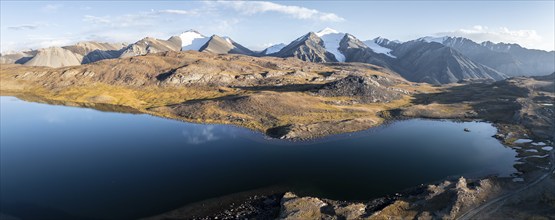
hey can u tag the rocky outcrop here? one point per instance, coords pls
(365, 88)
(319, 129)
(294, 207)
(446, 200)
(196, 74)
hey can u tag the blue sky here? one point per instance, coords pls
(256, 25)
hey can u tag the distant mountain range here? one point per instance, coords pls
(435, 60)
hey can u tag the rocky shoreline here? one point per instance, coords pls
(445, 199)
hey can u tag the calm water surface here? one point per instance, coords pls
(68, 162)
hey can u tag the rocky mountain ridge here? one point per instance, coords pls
(436, 60)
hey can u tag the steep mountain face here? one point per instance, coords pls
(384, 42)
(355, 50)
(326, 45)
(95, 51)
(152, 45)
(432, 62)
(220, 45)
(531, 62)
(273, 49)
(55, 57)
(309, 47)
(192, 40)
(382, 45)
(500, 61)
(511, 59)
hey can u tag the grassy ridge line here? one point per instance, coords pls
(314, 109)
(148, 100)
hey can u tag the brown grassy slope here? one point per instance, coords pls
(258, 93)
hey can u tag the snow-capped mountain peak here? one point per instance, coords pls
(192, 31)
(375, 46)
(326, 31)
(331, 39)
(192, 40)
(380, 40)
(274, 48)
(430, 39)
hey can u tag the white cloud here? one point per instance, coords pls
(23, 27)
(479, 33)
(256, 7)
(177, 12)
(117, 28)
(199, 136)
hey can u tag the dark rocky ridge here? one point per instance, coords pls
(511, 59)
(366, 89)
(356, 51)
(435, 63)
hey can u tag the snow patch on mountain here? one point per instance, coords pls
(228, 39)
(192, 40)
(379, 40)
(331, 39)
(274, 48)
(433, 39)
(374, 46)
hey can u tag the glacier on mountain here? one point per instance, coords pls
(331, 39)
